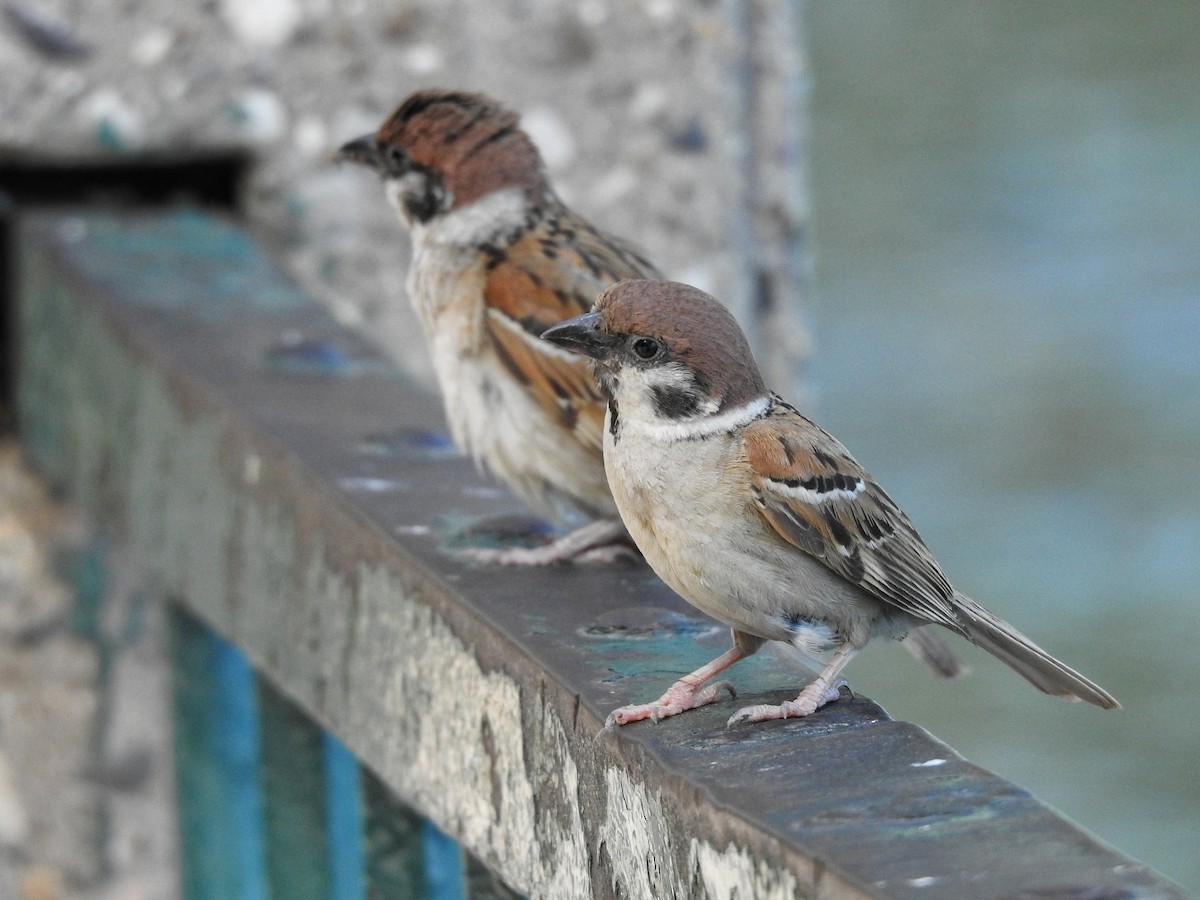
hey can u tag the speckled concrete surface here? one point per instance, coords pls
(655, 118)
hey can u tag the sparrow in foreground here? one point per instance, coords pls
(755, 515)
(497, 258)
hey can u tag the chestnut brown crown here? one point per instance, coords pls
(470, 141)
(694, 329)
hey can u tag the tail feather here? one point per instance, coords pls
(1029, 660)
(931, 648)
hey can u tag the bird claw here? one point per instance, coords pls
(808, 702)
(546, 555)
(678, 698)
(602, 542)
(510, 556)
(607, 554)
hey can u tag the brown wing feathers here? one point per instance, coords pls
(817, 497)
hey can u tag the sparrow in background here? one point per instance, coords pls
(755, 515)
(497, 258)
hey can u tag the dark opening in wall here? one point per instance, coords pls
(212, 180)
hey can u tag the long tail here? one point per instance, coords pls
(1033, 663)
(931, 648)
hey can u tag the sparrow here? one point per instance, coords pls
(754, 514)
(497, 258)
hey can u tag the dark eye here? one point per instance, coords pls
(646, 348)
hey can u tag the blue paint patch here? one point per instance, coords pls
(218, 766)
(408, 444)
(299, 356)
(445, 873)
(664, 625)
(496, 532)
(140, 260)
(343, 820)
(691, 138)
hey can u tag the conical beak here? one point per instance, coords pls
(363, 150)
(581, 334)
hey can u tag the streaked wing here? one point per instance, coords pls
(818, 498)
(555, 272)
(550, 274)
(561, 383)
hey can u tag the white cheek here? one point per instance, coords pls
(639, 414)
(637, 387)
(397, 189)
(394, 191)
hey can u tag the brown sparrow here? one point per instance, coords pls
(497, 258)
(755, 515)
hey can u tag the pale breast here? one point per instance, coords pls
(489, 414)
(711, 545)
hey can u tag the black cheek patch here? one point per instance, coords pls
(423, 205)
(614, 422)
(673, 403)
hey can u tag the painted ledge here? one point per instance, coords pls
(287, 485)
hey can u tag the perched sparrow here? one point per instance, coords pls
(757, 516)
(497, 258)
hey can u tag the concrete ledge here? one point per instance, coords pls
(294, 491)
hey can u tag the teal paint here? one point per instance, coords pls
(186, 260)
(344, 820)
(409, 444)
(443, 864)
(393, 843)
(293, 780)
(222, 855)
(88, 574)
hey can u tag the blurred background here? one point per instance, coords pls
(989, 219)
(1006, 206)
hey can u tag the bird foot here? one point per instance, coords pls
(607, 554)
(810, 700)
(601, 541)
(680, 697)
(548, 554)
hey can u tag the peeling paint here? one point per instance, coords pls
(636, 841)
(734, 874)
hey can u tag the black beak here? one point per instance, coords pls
(363, 150)
(581, 334)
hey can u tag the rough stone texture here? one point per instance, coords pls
(677, 125)
(256, 483)
(86, 807)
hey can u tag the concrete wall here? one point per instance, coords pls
(676, 124)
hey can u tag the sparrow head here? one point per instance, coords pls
(441, 150)
(664, 347)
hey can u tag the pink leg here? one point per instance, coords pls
(822, 690)
(596, 542)
(686, 693)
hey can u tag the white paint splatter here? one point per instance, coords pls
(733, 873)
(368, 485)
